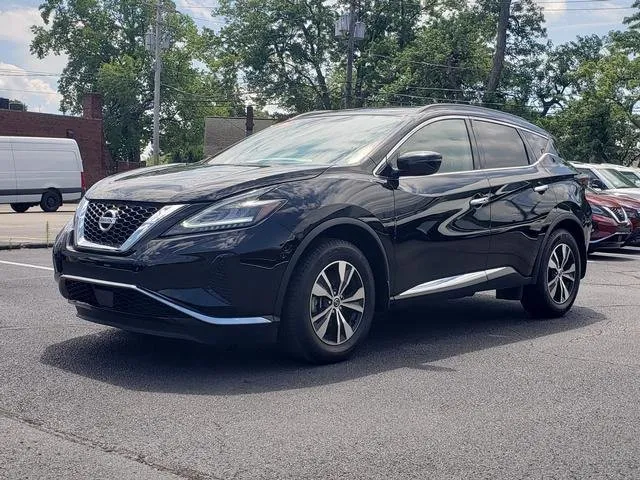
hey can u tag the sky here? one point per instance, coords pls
(26, 78)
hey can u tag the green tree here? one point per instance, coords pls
(557, 80)
(597, 119)
(284, 49)
(104, 40)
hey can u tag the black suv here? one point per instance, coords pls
(312, 225)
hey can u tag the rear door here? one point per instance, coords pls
(522, 193)
(7, 173)
(442, 220)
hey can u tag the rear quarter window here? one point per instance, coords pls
(500, 145)
(537, 143)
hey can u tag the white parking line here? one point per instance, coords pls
(50, 269)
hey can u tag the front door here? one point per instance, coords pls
(443, 219)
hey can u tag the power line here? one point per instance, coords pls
(35, 92)
(7, 72)
(590, 9)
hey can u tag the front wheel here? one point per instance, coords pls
(330, 303)
(558, 279)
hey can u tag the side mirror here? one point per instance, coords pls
(597, 184)
(419, 163)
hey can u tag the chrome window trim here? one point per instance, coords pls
(455, 282)
(388, 156)
(159, 298)
(81, 242)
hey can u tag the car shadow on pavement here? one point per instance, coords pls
(401, 339)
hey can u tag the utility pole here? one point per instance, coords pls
(156, 84)
(348, 26)
(350, 48)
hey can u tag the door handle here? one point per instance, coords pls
(476, 202)
(541, 188)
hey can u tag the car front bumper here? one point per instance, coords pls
(196, 287)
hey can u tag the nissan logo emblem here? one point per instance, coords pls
(108, 219)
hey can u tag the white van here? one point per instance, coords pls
(45, 171)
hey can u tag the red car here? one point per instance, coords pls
(632, 208)
(611, 225)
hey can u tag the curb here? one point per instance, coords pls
(18, 246)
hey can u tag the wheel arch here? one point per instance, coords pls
(353, 231)
(569, 223)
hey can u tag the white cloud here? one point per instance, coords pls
(553, 9)
(16, 24)
(19, 70)
(200, 11)
(16, 83)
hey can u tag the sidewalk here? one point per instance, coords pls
(32, 228)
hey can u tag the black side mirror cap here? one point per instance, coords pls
(418, 163)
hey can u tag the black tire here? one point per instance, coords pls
(297, 333)
(541, 300)
(51, 201)
(20, 207)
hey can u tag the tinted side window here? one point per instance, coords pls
(501, 145)
(537, 143)
(447, 137)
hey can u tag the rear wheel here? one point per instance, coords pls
(51, 201)
(20, 207)
(558, 279)
(330, 303)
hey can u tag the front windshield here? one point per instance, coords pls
(615, 178)
(316, 140)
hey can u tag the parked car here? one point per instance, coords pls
(607, 179)
(611, 225)
(630, 173)
(44, 171)
(312, 225)
(632, 208)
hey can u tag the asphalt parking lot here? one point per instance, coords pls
(463, 389)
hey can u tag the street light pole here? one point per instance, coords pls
(156, 85)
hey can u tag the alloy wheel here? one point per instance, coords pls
(561, 273)
(337, 303)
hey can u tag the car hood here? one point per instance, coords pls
(626, 199)
(602, 200)
(182, 183)
(630, 192)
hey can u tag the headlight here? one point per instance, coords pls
(598, 211)
(237, 212)
(80, 211)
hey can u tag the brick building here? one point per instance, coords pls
(86, 130)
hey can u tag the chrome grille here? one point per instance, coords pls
(619, 214)
(128, 219)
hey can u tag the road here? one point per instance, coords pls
(32, 227)
(463, 389)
